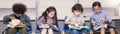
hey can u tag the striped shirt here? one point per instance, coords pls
(96, 17)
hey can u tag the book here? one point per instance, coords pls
(100, 26)
(43, 26)
(15, 22)
(78, 27)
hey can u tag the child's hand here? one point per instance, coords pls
(11, 17)
(81, 24)
(70, 23)
(102, 20)
(94, 23)
(77, 21)
(46, 24)
(20, 24)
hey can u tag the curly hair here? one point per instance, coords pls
(19, 8)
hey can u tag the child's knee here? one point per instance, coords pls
(44, 30)
(50, 29)
(102, 29)
(111, 29)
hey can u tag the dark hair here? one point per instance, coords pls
(96, 4)
(77, 7)
(48, 10)
(19, 8)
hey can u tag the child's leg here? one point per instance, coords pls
(74, 31)
(50, 31)
(23, 30)
(112, 31)
(12, 31)
(43, 31)
(102, 30)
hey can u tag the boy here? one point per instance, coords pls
(76, 19)
(18, 9)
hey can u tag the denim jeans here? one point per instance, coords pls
(75, 31)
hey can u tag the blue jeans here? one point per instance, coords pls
(75, 31)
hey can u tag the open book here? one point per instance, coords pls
(98, 27)
(15, 22)
(78, 27)
(43, 26)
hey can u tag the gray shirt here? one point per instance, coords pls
(74, 19)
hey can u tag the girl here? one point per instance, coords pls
(48, 18)
(101, 19)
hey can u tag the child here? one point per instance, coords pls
(48, 19)
(100, 19)
(19, 17)
(76, 19)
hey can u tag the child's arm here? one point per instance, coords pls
(41, 22)
(81, 21)
(92, 21)
(82, 24)
(6, 20)
(68, 23)
(12, 17)
(67, 20)
(106, 19)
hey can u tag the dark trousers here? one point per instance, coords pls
(21, 30)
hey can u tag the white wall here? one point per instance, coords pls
(119, 8)
(9, 3)
(6, 7)
(64, 6)
(105, 3)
